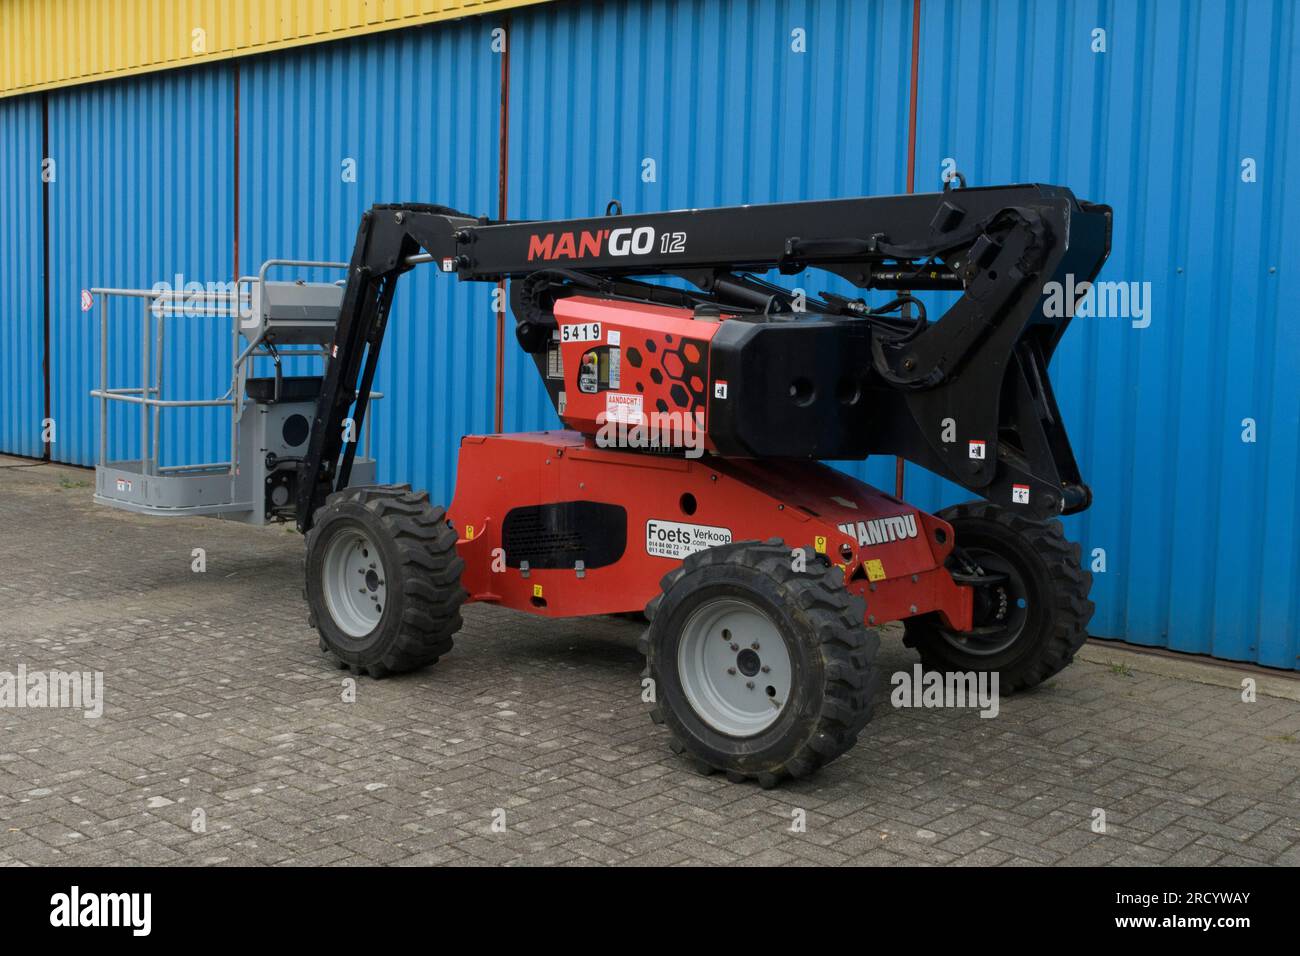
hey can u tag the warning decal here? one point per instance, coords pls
(624, 407)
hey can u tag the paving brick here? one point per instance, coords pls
(217, 698)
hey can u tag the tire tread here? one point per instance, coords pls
(427, 576)
(847, 647)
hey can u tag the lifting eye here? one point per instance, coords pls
(688, 504)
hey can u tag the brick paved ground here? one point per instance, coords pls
(217, 699)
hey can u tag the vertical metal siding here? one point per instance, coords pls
(716, 96)
(1199, 528)
(21, 307)
(417, 112)
(143, 193)
(1156, 127)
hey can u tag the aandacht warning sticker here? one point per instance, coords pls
(673, 539)
(624, 407)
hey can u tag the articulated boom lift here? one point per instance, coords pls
(762, 570)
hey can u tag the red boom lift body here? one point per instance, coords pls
(690, 481)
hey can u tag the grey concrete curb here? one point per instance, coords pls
(1216, 673)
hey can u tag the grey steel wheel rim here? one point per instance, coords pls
(734, 667)
(353, 581)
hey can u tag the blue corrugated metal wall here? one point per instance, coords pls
(1198, 527)
(716, 97)
(22, 402)
(144, 193)
(1157, 126)
(147, 191)
(415, 116)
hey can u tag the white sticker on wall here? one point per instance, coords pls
(673, 539)
(615, 337)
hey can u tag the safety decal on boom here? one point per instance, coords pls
(674, 539)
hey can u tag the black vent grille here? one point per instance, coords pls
(560, 535)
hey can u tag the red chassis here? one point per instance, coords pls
(891, 553)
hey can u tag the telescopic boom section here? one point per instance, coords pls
(966, 395)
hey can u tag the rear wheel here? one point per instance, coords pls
(1031, 599)
(383, 579)
(759, 671)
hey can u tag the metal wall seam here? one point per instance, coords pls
(327, 131)
(21, 334)
(45, 45)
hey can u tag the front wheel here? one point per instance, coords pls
(1031, 599)
(758, 670)
(383, 579)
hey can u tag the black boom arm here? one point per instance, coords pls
(978, 370)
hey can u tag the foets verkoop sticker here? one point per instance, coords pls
(676, 540)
